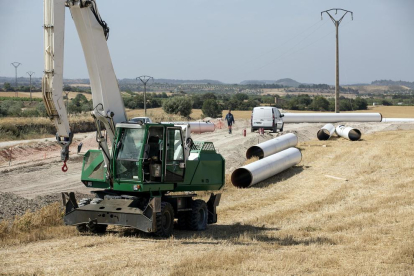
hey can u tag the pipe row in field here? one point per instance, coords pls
(196, 127)
(326, 132)
(331, 117)
(262, 169)
(272, 146)
(275, 156)
(349, 133)
(388, 120)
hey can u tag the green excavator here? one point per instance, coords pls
(144, 175)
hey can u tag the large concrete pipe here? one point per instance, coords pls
(326, 132)
(262, 169)
(331, 117)
(196, 127)
(272, 146)
(389, 120)
(350, 133)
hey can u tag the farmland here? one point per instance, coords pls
(300, 221)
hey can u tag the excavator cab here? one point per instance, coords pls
(152, 153)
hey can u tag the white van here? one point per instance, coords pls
(144, 120)
(266, 117)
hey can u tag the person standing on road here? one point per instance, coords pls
(230, 120)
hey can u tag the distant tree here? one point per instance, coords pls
(7, 87)
(241, 96)
(345, 105)
(67, 88)
(360, 104)
(197, 102)
(178, 105)
(386, 102)
(208, 96)
(212, 109)
(320, 104)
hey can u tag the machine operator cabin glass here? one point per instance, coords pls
(129, 151)
(175, 156)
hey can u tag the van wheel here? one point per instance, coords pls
(251, 129)
(274, 129)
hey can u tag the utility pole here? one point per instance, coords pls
(336, 23)
(145, 80)
(30, 73)
(16, 64)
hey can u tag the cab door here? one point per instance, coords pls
(175, 163)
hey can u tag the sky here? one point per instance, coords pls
(227, 40)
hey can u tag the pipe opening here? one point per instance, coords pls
(323, 134)
(241, 178)
(254, 151)
(354, 134)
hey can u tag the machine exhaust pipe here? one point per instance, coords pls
(272, 146)
(255, 172)
(196, 127)
(331, 117)
(326, 132)
(349, 133)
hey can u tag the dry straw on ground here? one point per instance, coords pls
(298, 222)
(46, 223)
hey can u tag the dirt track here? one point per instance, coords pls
(38, 177)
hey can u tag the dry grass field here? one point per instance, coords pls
(39, 94)
(301, 221)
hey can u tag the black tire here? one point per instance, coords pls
(199, 215)
(165, 220)
(98, 228)
(82, 228)
(251, 129)
(275, 129)
(183, 222)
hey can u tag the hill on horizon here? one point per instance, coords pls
(285, 82)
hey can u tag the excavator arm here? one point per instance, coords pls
(108, 107)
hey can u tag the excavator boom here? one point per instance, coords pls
(108, 107)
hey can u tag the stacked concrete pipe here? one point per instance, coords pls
(349, 133)
(276, 155)
(262, 169)
(272, 146)
(326, 132)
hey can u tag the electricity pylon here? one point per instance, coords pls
(337, 22)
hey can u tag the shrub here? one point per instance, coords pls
(212, 109)
(320, 104)
(178, 105)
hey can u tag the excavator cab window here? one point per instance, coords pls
(175, 163)
(129, 149)
(153, 154)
